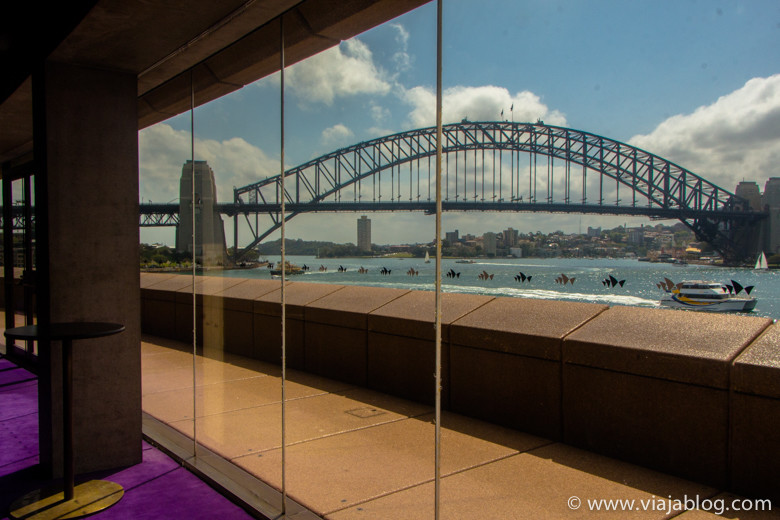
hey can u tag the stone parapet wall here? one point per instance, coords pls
(690, 394)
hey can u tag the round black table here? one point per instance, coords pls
(89, 497)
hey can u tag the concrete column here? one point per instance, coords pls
(86, 149)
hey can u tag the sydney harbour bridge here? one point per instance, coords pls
(491, 166)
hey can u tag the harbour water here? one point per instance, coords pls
(639, 288)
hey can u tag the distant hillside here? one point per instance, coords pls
(293, 247)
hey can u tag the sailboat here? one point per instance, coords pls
(761, 263)
(427, 258)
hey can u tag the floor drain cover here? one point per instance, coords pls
(365, 413)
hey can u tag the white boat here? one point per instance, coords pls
(699, 295)
(761, 263)
(427, 258)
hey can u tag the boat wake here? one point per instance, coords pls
(542, 294)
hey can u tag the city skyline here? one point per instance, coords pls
(703, 90)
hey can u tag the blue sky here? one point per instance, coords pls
(697, 82)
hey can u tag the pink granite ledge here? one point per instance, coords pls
(688, 347)
(413, 314)
(522, 326)
(757, 370)
(349, 307)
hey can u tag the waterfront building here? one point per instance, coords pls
(635, 235)
(510, 237)
(364, 233)
(749, 190)
(771, 201)
(452, 237)
(489, 243)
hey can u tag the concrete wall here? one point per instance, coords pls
(690, 394)
(86, 187)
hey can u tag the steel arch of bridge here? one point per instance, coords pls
(593, 167)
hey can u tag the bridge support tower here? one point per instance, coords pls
(209, 233)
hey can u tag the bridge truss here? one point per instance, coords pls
(498, 166)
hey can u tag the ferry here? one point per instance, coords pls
(290, 269)
(700, 295)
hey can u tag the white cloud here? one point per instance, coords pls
(379, 113)
(483, 103)
(378, 131)
(736, 137)
(403, 35)
(163, 151)
(337, 134)
(345, 70)
(401, 58)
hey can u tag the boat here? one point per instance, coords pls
(707, 296)
(761, 263)
(427, 258)
(465, 261)
(289, 269)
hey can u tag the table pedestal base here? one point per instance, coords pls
(88, 498)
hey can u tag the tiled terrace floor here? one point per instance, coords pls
(159, 487)
(352, 453)
(357, 454)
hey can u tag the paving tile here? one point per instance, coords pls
(338, 471)
(234, 395)
(537, 484)
(208, 371)
(163, 361)
(235, 434)
(151, 349)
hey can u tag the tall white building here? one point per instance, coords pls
(364, 233)
(489, 243)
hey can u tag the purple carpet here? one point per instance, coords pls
(157, 488)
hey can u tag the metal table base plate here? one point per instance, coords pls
(88, 498)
